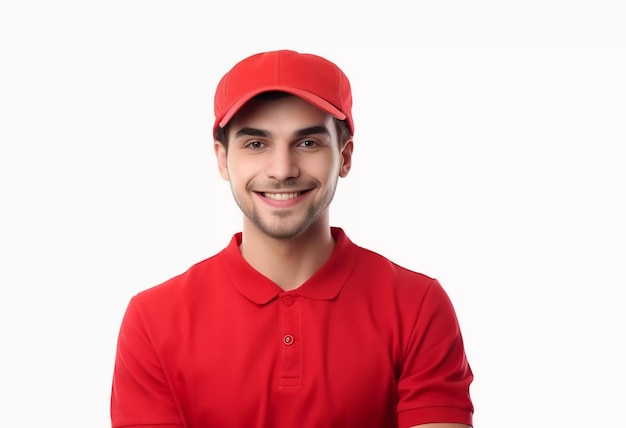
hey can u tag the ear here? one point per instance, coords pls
(222, 164)
(346, 159)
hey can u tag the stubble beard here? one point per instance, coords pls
(281, 226)
(285, 225)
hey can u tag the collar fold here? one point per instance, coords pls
(325, 284)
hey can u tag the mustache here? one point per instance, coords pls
(282, 185)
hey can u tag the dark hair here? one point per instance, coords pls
(221, 134)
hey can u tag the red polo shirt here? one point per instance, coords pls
(363, 343)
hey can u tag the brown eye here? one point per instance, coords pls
(256, 145)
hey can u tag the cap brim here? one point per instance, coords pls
(318, 102)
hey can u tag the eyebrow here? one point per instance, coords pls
(252, 132)
(313, 130)
(256, 132)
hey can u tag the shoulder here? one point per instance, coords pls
(196, 278)
(373, 265)
(184, 285)
(172, 305)
(404, 289)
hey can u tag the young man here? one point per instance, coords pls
(292, 325)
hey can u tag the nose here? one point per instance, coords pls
(282, 164)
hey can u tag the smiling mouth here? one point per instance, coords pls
(281, 196)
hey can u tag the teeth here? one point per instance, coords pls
(281, 196)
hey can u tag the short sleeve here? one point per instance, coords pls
(141, 395)
(435, 379)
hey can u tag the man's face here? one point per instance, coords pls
(283, 163)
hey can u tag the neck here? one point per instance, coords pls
(287, 262)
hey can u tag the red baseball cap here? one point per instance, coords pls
(310, 77)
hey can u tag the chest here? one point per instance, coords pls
(292, 362)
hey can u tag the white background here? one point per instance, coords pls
(489, 154)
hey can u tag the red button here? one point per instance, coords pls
(288, 340)
(287, 300)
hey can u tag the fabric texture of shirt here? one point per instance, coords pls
(362, 343)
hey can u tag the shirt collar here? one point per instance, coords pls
(325, 284)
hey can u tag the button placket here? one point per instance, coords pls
(291, 342)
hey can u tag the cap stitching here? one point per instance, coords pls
(278, 78)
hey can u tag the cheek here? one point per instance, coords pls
(238, 174)
(333, 167)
